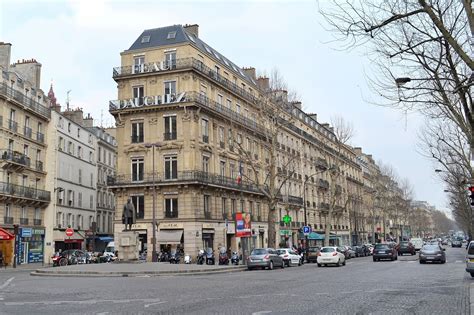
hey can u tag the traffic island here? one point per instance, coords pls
(134, 270)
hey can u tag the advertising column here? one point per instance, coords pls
(243, 229)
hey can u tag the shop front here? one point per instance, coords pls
(7, 245)
(33, 245)
(170, 237)
(63, 242)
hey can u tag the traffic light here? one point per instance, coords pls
(471, 194)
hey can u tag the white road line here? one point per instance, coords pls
(3, 286)
(261, 312)
(84, 302)
(156, 303)
(458, 261)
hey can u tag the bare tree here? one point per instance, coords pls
(423, 50)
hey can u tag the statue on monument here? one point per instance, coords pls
(129, 215)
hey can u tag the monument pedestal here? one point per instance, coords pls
(127, 246)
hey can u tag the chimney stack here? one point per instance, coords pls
(192, 29)
(30, 69)
(263, 83)
(250, 71)
(5, 53)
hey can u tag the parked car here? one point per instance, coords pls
(331, 255)
(289, 256)
(264, 258)
(350, 251)
(360, 251)
(417, 242)
(456, 243)
(384, 251)
(406, 248)
(470, 259)
(345, 251)
(433, 253)
(370, 247)
(313, 254)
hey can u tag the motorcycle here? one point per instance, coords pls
(210, 259)
(163, 257)
(175, 257)
(200, 257)
(59, 260)
(234, 259)
(223, 258)
(187, 259)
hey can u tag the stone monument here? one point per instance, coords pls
(127, 243)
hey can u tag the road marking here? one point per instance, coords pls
(84, 302)
(458, 261)
(156, 303)
(3, 286)
(261, 312)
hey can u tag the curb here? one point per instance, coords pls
(471, 298)
(44, 273)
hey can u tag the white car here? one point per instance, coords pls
(331, 255)
(289, 256)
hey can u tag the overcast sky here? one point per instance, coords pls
(79, 42)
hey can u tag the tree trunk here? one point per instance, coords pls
(271, 225)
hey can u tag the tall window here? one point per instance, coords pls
(205, 130)
(79, 200)
(138, 64)
(219, 99)
(170, 59)
(170, 91)
(139, 203)
(137, 132)
(27, 130)
(205, 164)
(229, 104)
(233, 205)
(221, 137)
(222, 168)
(170, 128)
(138, 93)
(171, 208)
(259, 212)
(224, 208)
(24, 212)
(80, 176)
(171, 167)
(232, 170)
(137, 169)
(237, 108)
(207, 209)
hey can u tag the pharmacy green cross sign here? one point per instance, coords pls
(287, 219)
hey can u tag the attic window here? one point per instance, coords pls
(171, 35)
(146, 39)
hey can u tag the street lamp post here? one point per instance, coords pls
(154, 254)
(304, 205)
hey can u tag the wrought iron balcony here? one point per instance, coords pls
(198, 177)
(324, 205)
(293, 200)
(12, 125)
(137, 138)
(40, 137)
(15, 157)
(170, 136)
(171, 214)
(24, 221)
(36, 221)
(21, 98)
(39, 166)
(181, 64)
(8, 220)
(323, 184)
(24, 192)
(321, 163)
(205, 139)
(207, 215)
(28, 132)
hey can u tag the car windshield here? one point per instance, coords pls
(313, 249)
(404, 244)
(327, 250)
(430, 247)
(381, 246)
(259, 251)
(281, 251)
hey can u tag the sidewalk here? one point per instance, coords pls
(25, 267)
(134, 270)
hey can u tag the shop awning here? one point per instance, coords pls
(105, 239)
(169, 236)
(60, 236)
(315, 236)
(5, 236)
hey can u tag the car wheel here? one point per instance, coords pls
(391, 258)
(339, 263)
(472, 274)
(374, 259)
(270, 266)
(299, 262)
(319, 265)
(250, 268)
(344, 263)
(282, 265)
(396, 258)
(422, 262)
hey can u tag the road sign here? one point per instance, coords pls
(287, 219)
(69, 232)
(306, 230)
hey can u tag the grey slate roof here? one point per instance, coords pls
(159, 37)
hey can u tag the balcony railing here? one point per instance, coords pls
(30, 103)
(39, 166)
(28, 132)
(12, 125)
(171, 214)
(16, 157)
(24, 192)
(321, 163)
(324, 205)
(24, 221)
(137, 138)
(323, 184)
(8, 220)
(169, 136)
(40, 137)
(179, 64)
(294, 200)
(205, 139)
(199, 177)
(36, 221)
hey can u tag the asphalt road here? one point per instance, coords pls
(360, 287)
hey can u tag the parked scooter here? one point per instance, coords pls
(235, 258)
(210, 259)
(200, 257)
(223, 258)
(163, 256)
(175, 257)
(187, 259)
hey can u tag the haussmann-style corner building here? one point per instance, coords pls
(185, 105)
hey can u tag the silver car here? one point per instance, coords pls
(264, 258)
(470, 259)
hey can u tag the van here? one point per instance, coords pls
(417, 242)
(110, 248)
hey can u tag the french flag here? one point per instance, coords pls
(239, 175)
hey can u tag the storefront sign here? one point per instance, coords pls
(207, 225)
(34, 257)
(149, 101)
(26, 232)
(137, 226)
(243, 224)
(231, 229)
(171, 226)
(38, 232)
(285, 232)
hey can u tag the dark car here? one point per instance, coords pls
(456, 243)
(384, 251)
(433, 253)
(313, 254)
(264, 258)
(345, 251)
(360, 251)
(406, 248)
(367, 250)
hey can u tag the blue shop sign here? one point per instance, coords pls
(26, 232)
(34, 257)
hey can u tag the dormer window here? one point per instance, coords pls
(146, 39)
(171, 35)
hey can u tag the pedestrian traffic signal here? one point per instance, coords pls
(471, 194)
